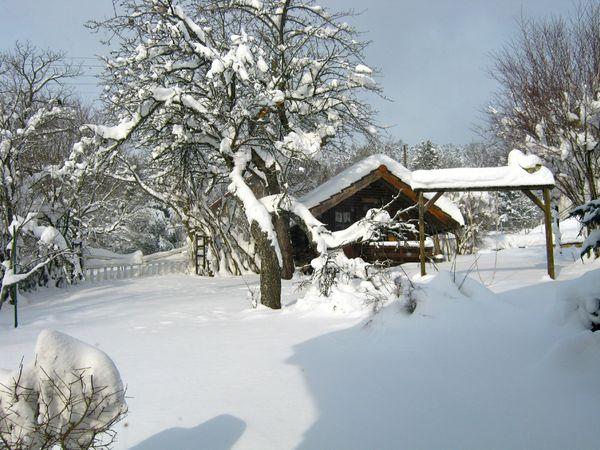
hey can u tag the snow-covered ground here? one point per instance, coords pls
(505, 367)
(570, 230)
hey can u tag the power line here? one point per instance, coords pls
(80, 84)
(82, 57)
(73, 65)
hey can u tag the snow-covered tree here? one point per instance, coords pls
(149, 228)
(32, 118)
(386, 145)
(47, 211)
(226, 97)
(516, 212)
(549, 97)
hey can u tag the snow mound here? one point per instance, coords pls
(581, 300)
(445, 285)
(433, 294)
(351, 298)
(578, 353)
(527, 162)
(456, 297)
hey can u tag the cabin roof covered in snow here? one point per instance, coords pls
(361, 169)
(522, 172)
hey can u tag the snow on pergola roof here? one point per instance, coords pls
(363, 168)
(522, 172)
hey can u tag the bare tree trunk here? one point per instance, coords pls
(192, 250)
(590, 175)
(287, 254)
(270, 272)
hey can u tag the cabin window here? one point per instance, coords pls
(343, 217)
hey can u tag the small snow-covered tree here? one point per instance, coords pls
(589, 215)
(424, 155)
(480, 210)
(229, 97)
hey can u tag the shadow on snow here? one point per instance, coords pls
(218, 433)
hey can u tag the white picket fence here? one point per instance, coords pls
(121, 267)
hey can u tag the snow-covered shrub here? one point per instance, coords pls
(580, 300)
(70, 397)
(406, 292)
(328, 269)
(589, 312)
(589, 215)
(351, 285)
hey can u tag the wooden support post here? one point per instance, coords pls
(437, 248)
(548, 224)
(433, 199)
(422, 233)
(534, 199)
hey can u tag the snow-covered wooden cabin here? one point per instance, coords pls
(372, 183)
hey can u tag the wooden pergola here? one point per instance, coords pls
(439, 189)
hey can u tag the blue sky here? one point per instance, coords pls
(433, 54)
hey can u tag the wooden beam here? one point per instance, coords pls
(433, 199)
(534, 198)
(444, 218)
(422, 233)
(484, 188)
(548, 224)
